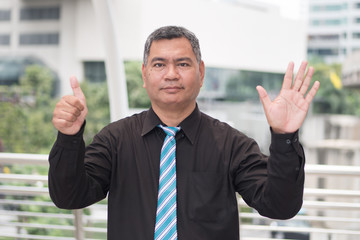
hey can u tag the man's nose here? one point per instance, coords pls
(172, 72)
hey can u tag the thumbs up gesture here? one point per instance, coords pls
(70, 111)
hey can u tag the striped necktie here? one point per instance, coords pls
(166, 227)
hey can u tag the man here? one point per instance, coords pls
(213, 160)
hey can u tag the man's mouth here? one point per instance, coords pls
(172, 88)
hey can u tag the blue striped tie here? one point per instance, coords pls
(165, 227)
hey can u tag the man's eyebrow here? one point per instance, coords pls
(155, 59)
(183, 59)
(161, 59)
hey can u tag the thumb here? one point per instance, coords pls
(264, 97)
(76, 88)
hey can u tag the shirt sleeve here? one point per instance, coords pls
(273, 184)
(72, 184)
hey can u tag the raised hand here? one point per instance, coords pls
(70, 111)
(287, 112)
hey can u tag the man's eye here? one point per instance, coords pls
(184, 64)
(158, 65)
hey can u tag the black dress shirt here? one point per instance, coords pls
(214, 161)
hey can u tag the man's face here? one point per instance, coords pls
(172, 76)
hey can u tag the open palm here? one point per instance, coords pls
(287, 112)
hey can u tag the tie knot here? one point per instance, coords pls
(170, 131)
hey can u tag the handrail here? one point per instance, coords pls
(24, 158)
(323, 205)
(299, 229)
(23, 178)
(319, 192)
(23, 190)
(333, 170)
(255, 215)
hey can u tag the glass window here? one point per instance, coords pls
(5, 15)
(239, 85)
(324, 52)
(328, 22)
(333, 7)
(333, 21)
(356, 35)
(95, 71)
(328, 8)
(39, 39)
(4, 39)
(328, 37)
(48, 13)
(328, 51)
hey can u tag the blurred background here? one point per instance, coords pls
(243, 43)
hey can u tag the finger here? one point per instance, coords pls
(76, 88)
(300, 76)
(311, 94)
(288, 76)
(71, 110)
(62, 125)
(66, 111)
(71, 102)
(66, 116)
(307, 80)
(264, 97)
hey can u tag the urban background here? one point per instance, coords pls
(244, 44)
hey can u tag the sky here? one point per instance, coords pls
(294, 9)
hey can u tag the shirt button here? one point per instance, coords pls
(288, 141)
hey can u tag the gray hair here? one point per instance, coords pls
(171, 32)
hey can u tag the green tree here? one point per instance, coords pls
(11, 129)
(25, 119)
(97, 101)
(38, 83)
(242, 86)
(331, 98)
(137, 95)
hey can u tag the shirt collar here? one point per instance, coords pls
(189, 125)
(150, 122)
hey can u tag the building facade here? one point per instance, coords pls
(333, 29)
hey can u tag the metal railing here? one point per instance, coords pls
(331, 213)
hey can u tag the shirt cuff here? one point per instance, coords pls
(71, 141)
(287, 142)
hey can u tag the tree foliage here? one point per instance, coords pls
(26, 112)
(242, 85)
(331, 99)
(137, 95)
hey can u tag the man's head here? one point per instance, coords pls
(173, 71)
(171, 32)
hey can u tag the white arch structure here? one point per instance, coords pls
(115, 70)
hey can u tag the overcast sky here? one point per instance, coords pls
(294, 9)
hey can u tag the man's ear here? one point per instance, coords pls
(143, 70)
(202, 71)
